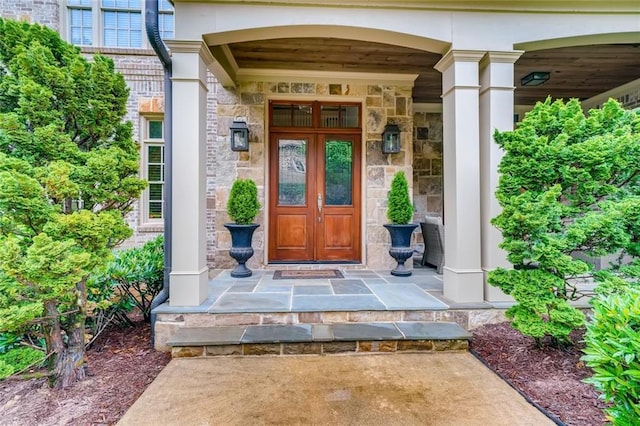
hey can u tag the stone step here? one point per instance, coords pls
(293, 339)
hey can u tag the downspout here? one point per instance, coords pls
(153, 33)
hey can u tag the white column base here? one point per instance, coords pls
(463, 285)
(494, 294)
(188, 288)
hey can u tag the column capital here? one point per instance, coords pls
(453, 56)
(192, 46)
(508, 57)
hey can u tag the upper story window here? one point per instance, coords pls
(165, 20)
(80, 22)
(114, 23)
(122, 23)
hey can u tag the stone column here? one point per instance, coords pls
(496, 113)
(463, 277)
(189, 274)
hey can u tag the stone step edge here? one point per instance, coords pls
(317, 333)
(322, 348)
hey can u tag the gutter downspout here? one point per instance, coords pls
(153, 33)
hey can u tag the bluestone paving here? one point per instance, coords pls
(322, 332)
(405, 296)
(277, 333)
(337, 302)
(380, 331)
(312, 289)
(432, 330)
(350, 286)
(242, 287)
(201, 336)
(252, 302)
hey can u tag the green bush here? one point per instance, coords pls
(243, 204)
(132, 279)
(18, 359)
(613, 352)
(569, 183)
(400, 208)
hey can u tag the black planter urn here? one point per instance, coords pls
(241, 249)
(401, 249)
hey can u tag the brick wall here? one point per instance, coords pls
(45, 12)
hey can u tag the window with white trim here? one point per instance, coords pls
(165, 20)
(153, 169)
(114, 23)
(122, 23)
(80, 22)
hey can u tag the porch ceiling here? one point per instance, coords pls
(576, 72)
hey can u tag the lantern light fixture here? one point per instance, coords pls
(391, 139)
(239, 132)
(535, 78)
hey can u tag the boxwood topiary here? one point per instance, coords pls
(243, 204)
(400, 208)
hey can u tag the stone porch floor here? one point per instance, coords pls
(362, 296)
(359, 290)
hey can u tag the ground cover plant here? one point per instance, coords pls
(613, 352)
(569, 185)
(68, 174)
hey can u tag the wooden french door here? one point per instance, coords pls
(314, 193)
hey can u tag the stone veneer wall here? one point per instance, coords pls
(427, 167)
(381, 104)
(427, 164)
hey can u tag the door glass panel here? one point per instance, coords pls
(292, 172)
(338, 173)
(339, 116)
(292, 115)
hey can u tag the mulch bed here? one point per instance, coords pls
(121, 366)
(551, 377)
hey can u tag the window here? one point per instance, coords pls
(165, 20)
(153, 169)
(122, 23)
(80, 22)
(114, 23)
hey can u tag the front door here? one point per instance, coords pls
(314, 197)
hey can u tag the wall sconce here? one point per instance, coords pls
(535, 78)
(239, 136)
(391, 139)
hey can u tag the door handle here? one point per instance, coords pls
(319, 207)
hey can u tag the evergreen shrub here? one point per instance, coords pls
(400, 208)
(569, 184)
(243, 204)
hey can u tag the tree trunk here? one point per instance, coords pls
(68, 359)
(71, 366)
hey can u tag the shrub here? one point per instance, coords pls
(18, 359)
(569, 183)
(132, 279)
(613, 351)
(243, 204)
(400, 208)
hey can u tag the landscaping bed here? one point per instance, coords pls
(550, 377)
(122, 364)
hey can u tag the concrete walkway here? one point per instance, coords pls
(401, 389)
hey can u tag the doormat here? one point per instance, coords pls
(307, 275)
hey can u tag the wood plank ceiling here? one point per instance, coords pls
(576, 72)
